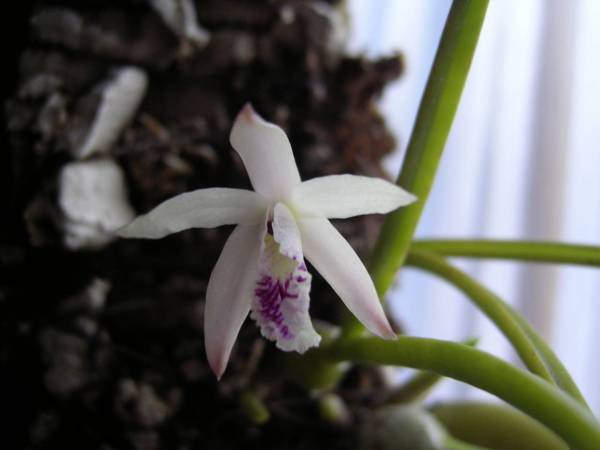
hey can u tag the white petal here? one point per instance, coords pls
(281, 294)
(266, 153)
(342, 196)
(229, 294)
(333, 257)
(204, 208)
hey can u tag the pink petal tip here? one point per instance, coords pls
(385, 331)
(216, 361)
(249, 114)
(218, 368)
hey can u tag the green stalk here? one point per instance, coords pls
(559, 372)
(547, 252)
(489, 304)
(434, 119)
(527, 392)
(418, 386)
(534, 353)
(413, 390)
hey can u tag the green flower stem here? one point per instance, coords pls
(536, 355)
(418, 386)
(548, 252)
(414, 389)
(559, 372)
(432, 125)
(489, 304)
(527, 392)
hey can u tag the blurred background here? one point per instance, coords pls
(521, 162)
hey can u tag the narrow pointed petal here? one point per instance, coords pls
(204, 208)
(266, 153)
(342, 196)
(281, 294)
(229, 294)
(335, 259)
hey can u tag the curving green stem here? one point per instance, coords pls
(548, 252)
(432, 125)
(525, 391)
(418, 386)
(536, 355)
(489, 304)
(559, 372)
(413, 390)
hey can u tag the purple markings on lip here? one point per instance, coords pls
(271, 293)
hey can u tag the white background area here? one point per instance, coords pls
(522, 161)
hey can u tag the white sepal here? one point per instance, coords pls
(342, 196)
(204, 208)
(266, 153)
(229, 294)
(341, 267)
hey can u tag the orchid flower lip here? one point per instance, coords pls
(281, 294)
(262, 269)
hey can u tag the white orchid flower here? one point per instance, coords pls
(261, 268)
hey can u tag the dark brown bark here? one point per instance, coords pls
(132, 372)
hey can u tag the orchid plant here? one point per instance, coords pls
(262, 267)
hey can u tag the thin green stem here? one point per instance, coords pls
(414, 389)
(417, 386)
(559, 372)
(489, 304)
(432, 125)
(536, 355)
(548, 252)
(525, 391)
